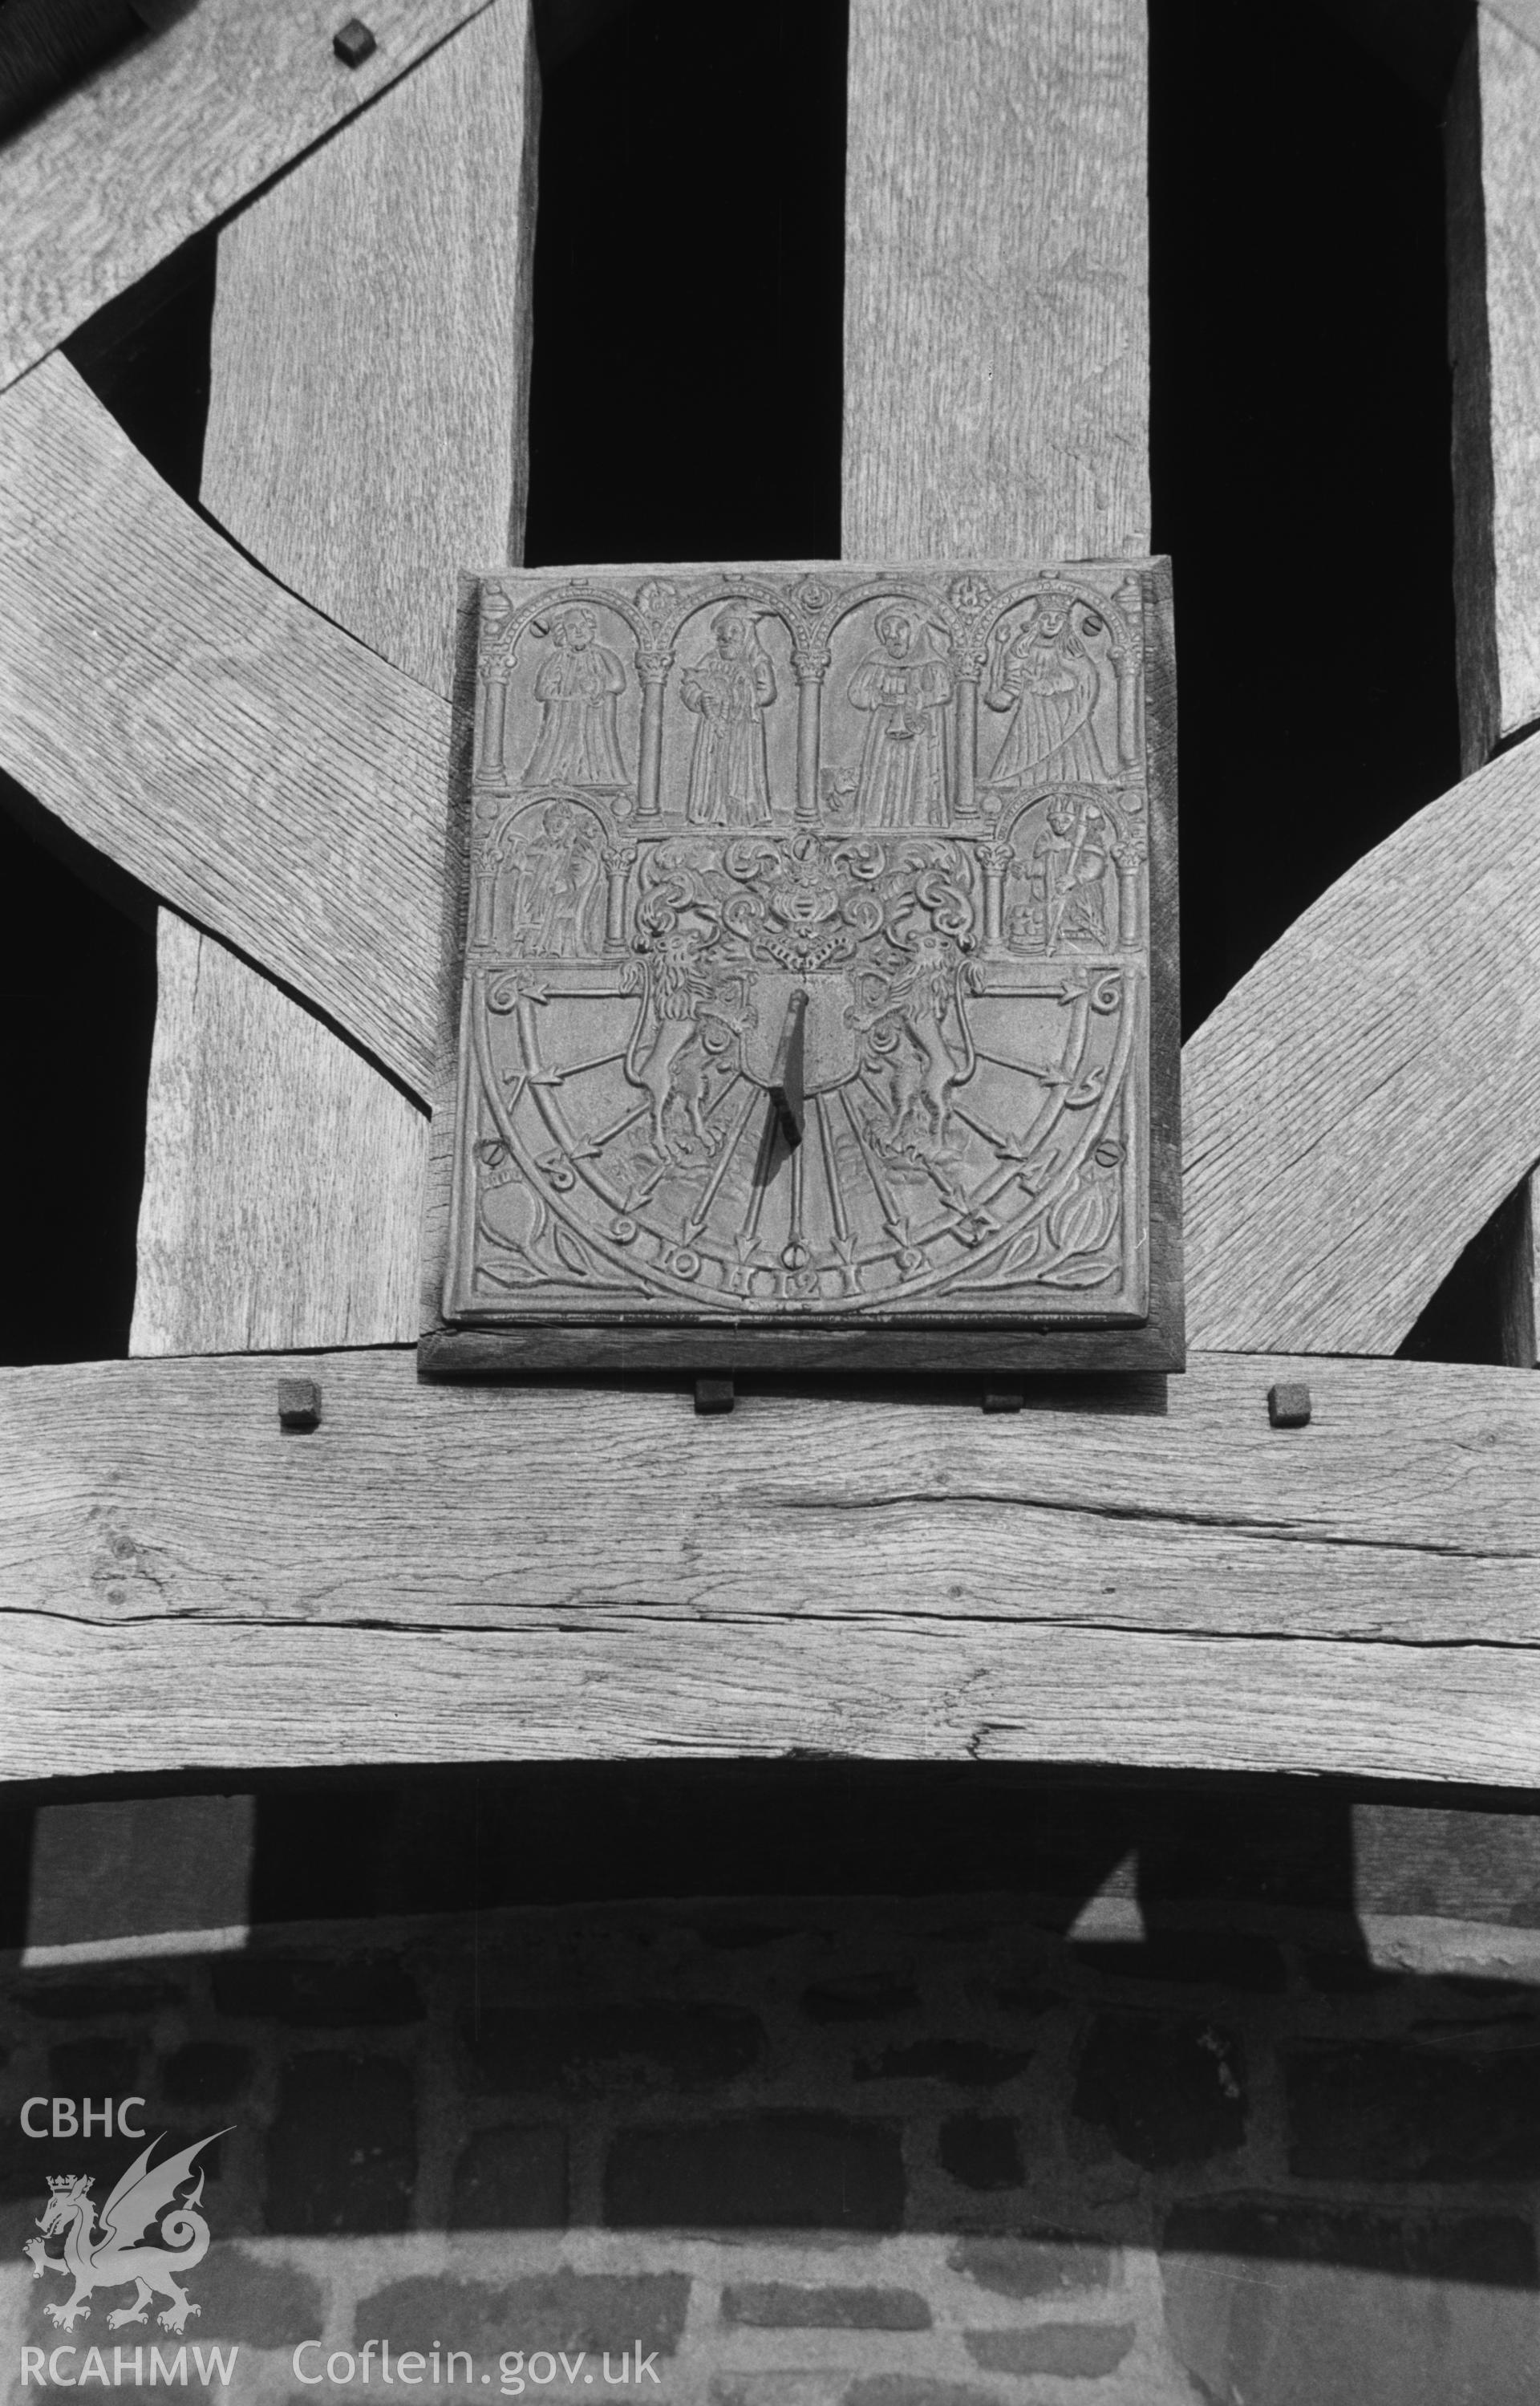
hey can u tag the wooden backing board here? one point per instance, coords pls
(366, 431)
(448, 1573)
(283, 1174)
(268, 776)
(1360, 1103)
(170, 134)
(997, 322)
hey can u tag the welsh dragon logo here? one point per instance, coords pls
(142, 2235)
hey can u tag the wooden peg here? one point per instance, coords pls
(1289, 1404)
(713, 1395)
(1003, 1399)
(299, 1403)
(353, 43)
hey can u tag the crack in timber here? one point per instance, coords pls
(617, 1619)
(1280, 1532)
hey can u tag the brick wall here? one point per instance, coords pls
(841, 2153)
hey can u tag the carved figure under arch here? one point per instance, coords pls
(904, 687)
(1048, 672)
(577, 684)
(729, 689)
(553, 884)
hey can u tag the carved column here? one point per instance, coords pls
(492, 721)
(655, 667)
(620, 860)
(488, 843)
(1130, 857)
(1127, 657)
(812, 666)
(997, 859)
(965, 707)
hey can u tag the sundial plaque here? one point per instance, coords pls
(818, 978)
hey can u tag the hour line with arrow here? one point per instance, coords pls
(543, 992)
(1067, 987)
(576, 1068)
(894, 1222)
(595, 1144)
(1023, 1068)
(695, 1219)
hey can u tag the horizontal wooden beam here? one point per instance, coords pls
(1360, 1103)
(643, 1682)
(270, 777)
(168, 135)
(477, 1573)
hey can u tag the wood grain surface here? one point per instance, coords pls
(645, 1681)
(997, 333)
(1407, 1512)
(1494, 178)
(1361, 1102)
(1522, 16)
(1493, 198)
(452, 1573)
(366, 437)
(283, 1174)
(370, 363)
(274, 780)
(170, 134)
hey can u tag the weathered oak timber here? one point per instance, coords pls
(1360, 1103)
(366, 432)
(1494, 326)
(648, 1682)
(997, 322)
(283, 1174)
(1408, 1513)
(369, 369)
(267, 775)
(452, 1573)
(1495, 307)
(166, 136)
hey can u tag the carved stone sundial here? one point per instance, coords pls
(818, 972)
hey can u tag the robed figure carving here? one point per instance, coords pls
(1069, 863)
(554, 886)
(1048, 679)
(906, 687)
(577, 685)
(730, 688)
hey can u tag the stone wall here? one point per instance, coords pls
(835, 2153)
